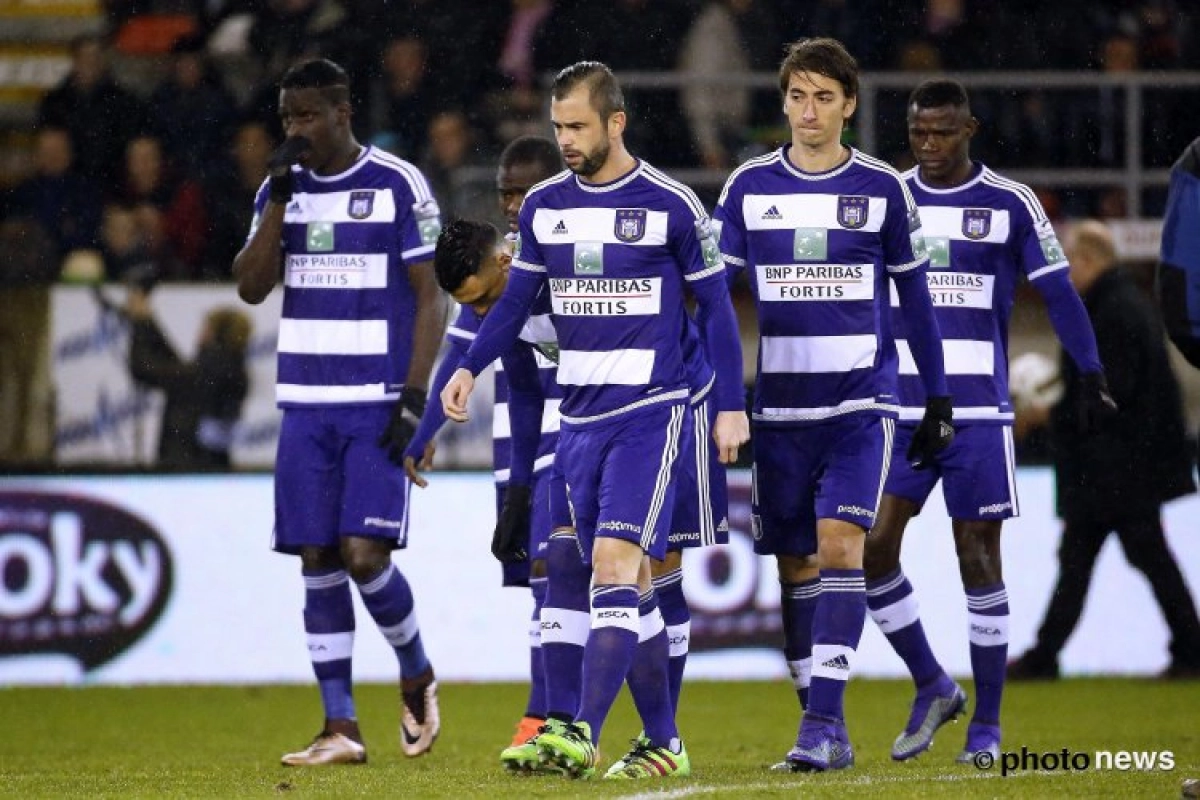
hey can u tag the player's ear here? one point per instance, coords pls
(850, 107)
(503, 259)
(616, 124)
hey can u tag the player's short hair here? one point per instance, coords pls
(532, 150)
(938, 92)
(319, 73)
(604, 93)
(461, 249)
(824, 56)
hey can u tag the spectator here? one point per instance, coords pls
(27, 270)
(724, 41)
(204, 396)
(1118, 478)
(101, 116)
(401, 99)
(229, 199)
(192, 110)
(168, 208)
(65, 204)
(453, 150)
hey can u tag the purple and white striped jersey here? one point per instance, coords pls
(819, 248)
(345, 337)
(982, 236)
(538, 334)
(616, 257)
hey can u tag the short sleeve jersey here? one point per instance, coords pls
(982, 237)
(345, 336)
(616, 258)
(819, 249)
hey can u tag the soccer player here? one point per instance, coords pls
(1179, 263)
(824, 230)
(983, 233)
(474, 269)
(352, 230)
(615, 242)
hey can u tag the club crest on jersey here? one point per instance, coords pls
(976, 222)
(852, 211)
(630, 224)
(361, 204)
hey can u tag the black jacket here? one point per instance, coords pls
(203, 398)
(1140, 458)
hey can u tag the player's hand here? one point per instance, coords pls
(933, 435)
(454, 396)
(1095, 405)
(416, 463)
(730, 431)
(279, 167)
(510, 541)
(406, 416)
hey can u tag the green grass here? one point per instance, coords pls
(225, 742)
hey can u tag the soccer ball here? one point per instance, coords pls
(1034, 382)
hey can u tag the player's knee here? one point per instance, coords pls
(880, 557)
(320, 559)
(977, 564)
(797, 569)
(364, 558)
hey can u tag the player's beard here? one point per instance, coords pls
(592, 162)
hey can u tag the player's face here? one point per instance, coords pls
(306, 112)
(817, 109)
(940, 140)
(483, 289)
(512, 182)
(583, 138)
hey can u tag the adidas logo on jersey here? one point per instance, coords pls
(560, 228)
(838, 662)
(772, 213)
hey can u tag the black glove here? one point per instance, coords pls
(510, 542)
(1095, 405)
(406, 416)
(933, 435)
(279, 166)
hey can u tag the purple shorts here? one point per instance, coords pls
(977, 470)
(539, 528)
(621, 476)
(833, 470)
(332, 479)
(701, 513)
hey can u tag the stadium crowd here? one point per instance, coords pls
(160, 164)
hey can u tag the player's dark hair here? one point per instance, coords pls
(461, 249)
(604, 93)
(532, 150)
(821, 55)
(319, 73)
(939, 92)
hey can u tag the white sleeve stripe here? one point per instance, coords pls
(674, 186)
(702, 274)
(900, 269)
(411, 174)
(1022, 192)
(758, 161)
(737, 262)
(459, 332)
(1046, 270)
(416, 252)
(528, 267)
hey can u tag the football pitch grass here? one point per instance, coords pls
(225, 742)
